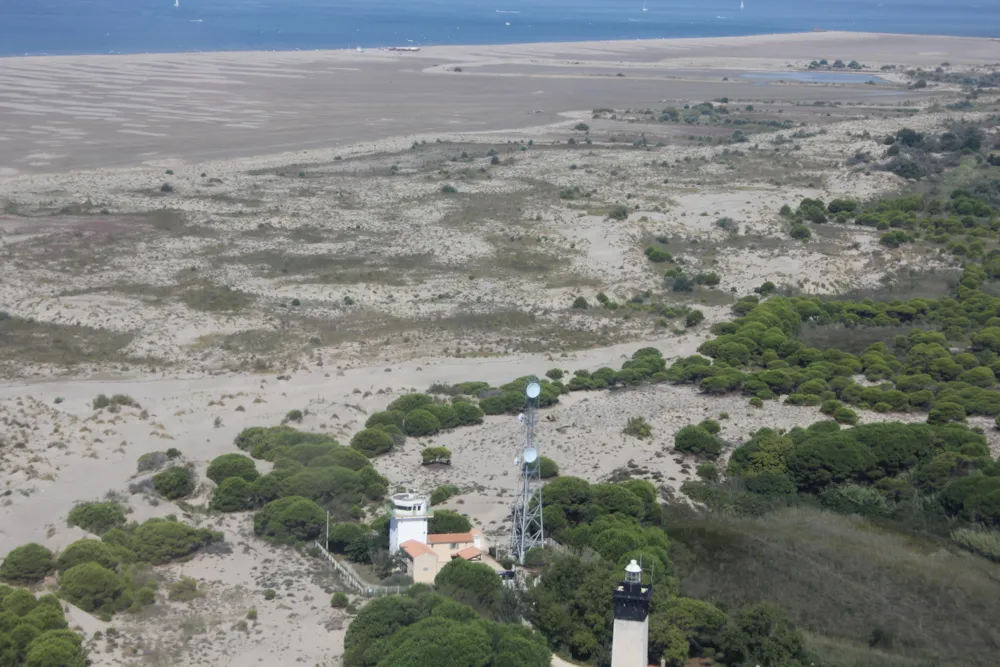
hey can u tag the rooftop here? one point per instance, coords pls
(414, 548)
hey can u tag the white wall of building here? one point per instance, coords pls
(630, 647)
(409, 520)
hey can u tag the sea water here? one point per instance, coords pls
(137, 26)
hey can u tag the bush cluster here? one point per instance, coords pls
(290, 519)
(111, 574)
(872, 468)
(417, 415)
(426, 628)
(760, 355)
(309, 465)
(35, 633)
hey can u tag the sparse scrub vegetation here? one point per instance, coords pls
(637, 427)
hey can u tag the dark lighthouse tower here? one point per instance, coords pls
(630, 645)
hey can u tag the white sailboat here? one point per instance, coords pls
(741, 4)
(644, 6)
(177, 3)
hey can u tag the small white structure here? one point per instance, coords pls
(409, 520)
(630, 645)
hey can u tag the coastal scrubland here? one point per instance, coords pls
(766, 326)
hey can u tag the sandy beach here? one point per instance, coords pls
(87, 112)
(226, 237)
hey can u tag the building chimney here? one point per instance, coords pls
(630, 646)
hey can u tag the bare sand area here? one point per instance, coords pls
(84, 112)
(228, 237)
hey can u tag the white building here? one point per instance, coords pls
(408, 520)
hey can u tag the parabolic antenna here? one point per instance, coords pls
(530, 455)
(533, 390)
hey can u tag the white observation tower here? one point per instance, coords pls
(408, 519)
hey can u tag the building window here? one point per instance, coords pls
(454, 545)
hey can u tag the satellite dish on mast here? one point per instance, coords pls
(533, 390)
(530, 455)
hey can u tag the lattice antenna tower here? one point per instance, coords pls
(528, 531)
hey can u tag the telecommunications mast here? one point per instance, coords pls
(527, 531)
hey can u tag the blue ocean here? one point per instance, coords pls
(139, 26)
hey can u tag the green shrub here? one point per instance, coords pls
(234, 494)
(270, 594)
(756, 402)
(445, 414)
(386, 418)
(269, 442)
(174, 483)
(27, 564)
(468, 414)
(443, 493)
(618, 212)
(854, 499)
(410, 402)
(421, 422)
(682, 283)
(693, 318)
(294, 415)
(88, 551)
(800, 232)
(986, 543)
(547, 468)
(372, 441)
(290, 519)
(475, 584)
(339, 600)
(343, 535)
(160, 541)
(944, 412)
(845, 416)
(708, 279)
(580, 303)
(554, 374)
(763, 635)
(97, 518)
(698, 441)
(56, 648)
(708, 472)
(151, 461)
(830, 407)
(657, 255)
(232, 465)
(436, 455)
(447, 521)
(637, 427)
(91, 587)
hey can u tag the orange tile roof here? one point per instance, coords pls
(445, 538)
(468, 553)
(414, 548)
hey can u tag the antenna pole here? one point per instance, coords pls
(527, 531)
